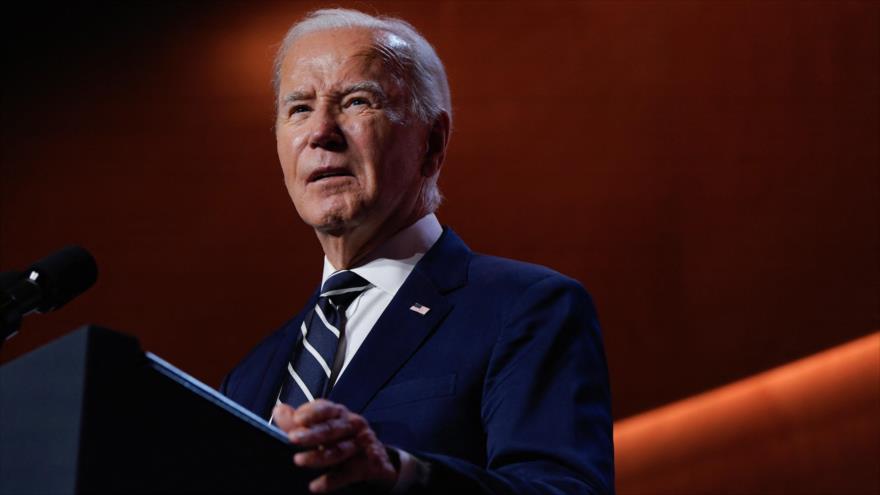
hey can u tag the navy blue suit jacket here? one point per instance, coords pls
(502, 386)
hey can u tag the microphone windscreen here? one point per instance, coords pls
(64, 275)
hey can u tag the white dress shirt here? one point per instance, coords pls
(387, 269)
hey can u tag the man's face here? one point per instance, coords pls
(350, 153)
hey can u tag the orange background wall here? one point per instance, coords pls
(709, 170)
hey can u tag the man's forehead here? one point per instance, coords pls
(325, 46)
(324, 74)
(338, 57)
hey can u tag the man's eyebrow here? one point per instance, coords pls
(368, 86)
(297, 96)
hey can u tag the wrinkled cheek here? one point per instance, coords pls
(289, 175)
(288, 149)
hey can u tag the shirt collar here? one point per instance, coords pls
(392, 262)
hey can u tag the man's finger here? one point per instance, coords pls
(283, 417)
(362, 467)
(329, 431)
(318, 411)
(330, 455)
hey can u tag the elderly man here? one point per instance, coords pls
(419, 365)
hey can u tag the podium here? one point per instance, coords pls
(93, 413)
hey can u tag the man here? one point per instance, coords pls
(419, 365)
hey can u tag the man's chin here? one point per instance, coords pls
(333, 229)
(328, 217)
(335, 224)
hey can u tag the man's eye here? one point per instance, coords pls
(358, 101)
(299, 109)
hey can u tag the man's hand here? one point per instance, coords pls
(341, 440)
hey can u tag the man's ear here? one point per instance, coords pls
(438, 137)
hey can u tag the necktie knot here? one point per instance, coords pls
(343, 287)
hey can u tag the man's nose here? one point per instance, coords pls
(326, 133)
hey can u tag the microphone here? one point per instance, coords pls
(46, 285)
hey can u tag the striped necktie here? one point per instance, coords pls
(310, 369)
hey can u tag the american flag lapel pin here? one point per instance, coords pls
(418, 308)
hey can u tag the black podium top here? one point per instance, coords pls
(92, 413)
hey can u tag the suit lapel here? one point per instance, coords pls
(400, 331)
(393, 339)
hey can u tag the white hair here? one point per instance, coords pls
(421, 68)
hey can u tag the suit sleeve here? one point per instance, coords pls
(545, 404)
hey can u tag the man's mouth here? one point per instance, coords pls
(328, 172)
